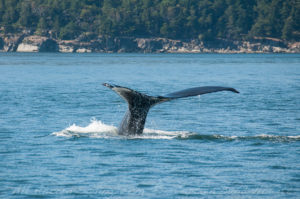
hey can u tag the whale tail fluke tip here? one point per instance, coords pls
(234, 90)
(107, 85)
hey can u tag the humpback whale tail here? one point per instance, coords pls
(139, 104)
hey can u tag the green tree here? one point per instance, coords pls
(178, 19)
(70, 31)
(42, 27)
(26, 15)
(288, 29)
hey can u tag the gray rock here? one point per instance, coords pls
(49, 45)
(1, 44)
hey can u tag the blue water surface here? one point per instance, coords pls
(58, 127)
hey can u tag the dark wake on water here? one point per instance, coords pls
(97, 129)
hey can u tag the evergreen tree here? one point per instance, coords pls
(178, 19)
(42, 27)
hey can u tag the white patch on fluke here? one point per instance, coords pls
(97, 129)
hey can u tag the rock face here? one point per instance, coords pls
(1, 44)
(83, 44)
(10, 43)
(49, 45)
(36, 44)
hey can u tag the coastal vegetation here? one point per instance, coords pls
(174, 19)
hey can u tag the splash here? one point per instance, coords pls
(97, 129)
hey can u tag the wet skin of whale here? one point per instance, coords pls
(139, 104)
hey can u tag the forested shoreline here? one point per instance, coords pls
(206, 20)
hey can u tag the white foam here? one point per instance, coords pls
(97, 129)
(94, 129)
(160, 134)
(278, 136)
(294, 137)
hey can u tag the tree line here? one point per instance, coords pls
(175, 19)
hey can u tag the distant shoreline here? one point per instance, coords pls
(35, 43)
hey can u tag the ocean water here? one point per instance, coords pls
(58, 127)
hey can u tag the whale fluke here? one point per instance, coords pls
(139, 104)
(198, 91)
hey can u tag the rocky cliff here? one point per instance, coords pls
(34, 43)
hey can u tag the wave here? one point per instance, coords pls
(97, 129)
(261, 137)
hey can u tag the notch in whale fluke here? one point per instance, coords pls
(139, 104)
